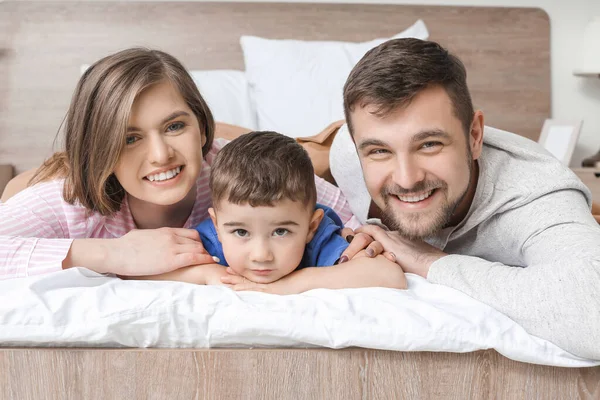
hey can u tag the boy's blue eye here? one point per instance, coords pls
(240, 232)
(280, 232)
(175, 126)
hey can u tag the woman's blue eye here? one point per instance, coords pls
(176, 126)
(131, 139)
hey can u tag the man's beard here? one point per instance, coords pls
(418, 225)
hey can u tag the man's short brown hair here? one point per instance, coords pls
(392, 74)
(262, 168)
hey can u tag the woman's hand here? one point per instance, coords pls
(359, 242)
(140, 252)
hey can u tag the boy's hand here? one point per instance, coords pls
(204, 274)
(239, 283)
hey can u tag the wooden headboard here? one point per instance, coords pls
(43, 45)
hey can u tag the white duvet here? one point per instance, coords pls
(77, 307)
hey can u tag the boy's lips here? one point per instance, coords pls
(262, 271)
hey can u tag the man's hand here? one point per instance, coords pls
(414, 256)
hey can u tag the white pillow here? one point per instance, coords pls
(227, 95)
(296, 86)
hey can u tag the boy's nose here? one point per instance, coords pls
(261, 253)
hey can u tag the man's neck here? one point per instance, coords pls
(463, 207)
(151, 216)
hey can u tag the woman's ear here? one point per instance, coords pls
(315, 220)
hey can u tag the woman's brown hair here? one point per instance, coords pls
(96, 124)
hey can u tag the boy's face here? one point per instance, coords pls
(264, 244)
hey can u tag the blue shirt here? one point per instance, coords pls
(323, 250)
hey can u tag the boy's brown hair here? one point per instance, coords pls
(261, 168)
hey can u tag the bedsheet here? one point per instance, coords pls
(78, 307)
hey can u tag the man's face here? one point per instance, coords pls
(417, 162)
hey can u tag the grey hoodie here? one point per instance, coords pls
(529, 246)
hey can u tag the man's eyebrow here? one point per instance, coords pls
(170, 117)
(430, 133)
(371, 142)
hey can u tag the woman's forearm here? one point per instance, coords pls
(93, 254)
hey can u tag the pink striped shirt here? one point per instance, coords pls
(37, 226)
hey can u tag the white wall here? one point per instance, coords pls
(573, 97)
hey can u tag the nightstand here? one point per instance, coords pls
(591, 178)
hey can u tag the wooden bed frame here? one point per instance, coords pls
(42, 45)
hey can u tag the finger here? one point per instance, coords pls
(347, 232)
(390, 256)
(233, 280)
(376, 232)
(185, 233)
(360, 242)
(190, 248)
(374, 248)
(230, 271)
(188, 259)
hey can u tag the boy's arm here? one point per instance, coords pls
(205, 274)
(356, 273)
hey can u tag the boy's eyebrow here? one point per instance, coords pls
(286, 223)
(233, 224)
(171, 116)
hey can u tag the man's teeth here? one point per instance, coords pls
(414, 199)
(163, 176)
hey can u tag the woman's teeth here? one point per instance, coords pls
(414, 199)
(163, 176)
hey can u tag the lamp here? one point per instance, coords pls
(591, 50)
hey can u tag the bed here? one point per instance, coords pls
(42, 49)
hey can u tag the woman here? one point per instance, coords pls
(132, 179)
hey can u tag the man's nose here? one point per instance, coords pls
(408, 172)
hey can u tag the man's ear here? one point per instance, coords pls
(476, 134)
(315, 220)
(213, 217)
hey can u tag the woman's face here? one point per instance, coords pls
(162, 154)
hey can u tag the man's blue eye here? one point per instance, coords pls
(176, 126)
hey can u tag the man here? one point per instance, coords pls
(493, 216)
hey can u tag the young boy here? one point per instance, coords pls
(265, 222)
